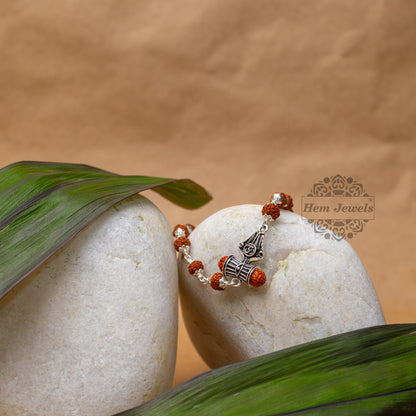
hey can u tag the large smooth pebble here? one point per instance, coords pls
(93, 331)
(315, 288)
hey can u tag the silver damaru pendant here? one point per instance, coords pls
(252, 250)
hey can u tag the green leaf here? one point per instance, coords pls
(371, 371)
(43, 205)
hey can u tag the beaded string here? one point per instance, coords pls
(233, 270)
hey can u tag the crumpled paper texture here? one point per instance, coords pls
(244, 97)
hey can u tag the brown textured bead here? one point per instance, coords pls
(272, 210)
(195, 266)
(215, 281)
(192, 227)
(182, 227)
(257, 278)
(181, 241)
(222, 261)
(287, 202)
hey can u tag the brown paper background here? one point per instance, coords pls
(244, 97)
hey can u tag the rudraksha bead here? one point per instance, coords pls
(195, 266)
(257, 278)
(222, 261)
(272, 210)
(181, 241)
(215, 281)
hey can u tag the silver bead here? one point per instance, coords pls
(180, 232)
(277, 199)
(223, 283)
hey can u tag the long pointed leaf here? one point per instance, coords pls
(43, 205)
(366, 372)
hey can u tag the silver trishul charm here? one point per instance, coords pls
(252, 250)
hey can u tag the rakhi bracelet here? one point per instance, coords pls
(234, 271)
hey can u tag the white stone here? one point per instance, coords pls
(93, 331)
(315, 288)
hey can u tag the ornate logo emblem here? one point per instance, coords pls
(338, 207)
